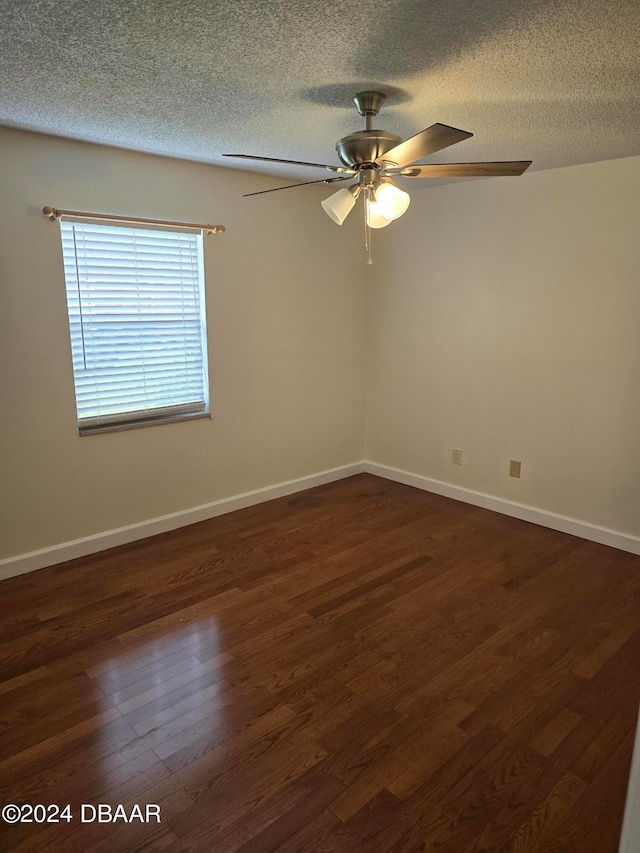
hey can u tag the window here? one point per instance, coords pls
(135, 297)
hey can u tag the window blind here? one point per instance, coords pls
(135, 298)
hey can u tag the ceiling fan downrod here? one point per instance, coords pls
(369, 105)
(364, 147)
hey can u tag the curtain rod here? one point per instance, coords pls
(54, 213)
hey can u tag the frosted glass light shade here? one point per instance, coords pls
(375, 216)
(339, 205)
(392, 200)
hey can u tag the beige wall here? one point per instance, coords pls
(502, 317)
(505, 320)
(286, 344)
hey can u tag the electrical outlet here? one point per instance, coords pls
(514, 468)
(456, 456)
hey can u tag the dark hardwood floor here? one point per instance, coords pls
(360, 667)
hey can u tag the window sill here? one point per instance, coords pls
(139, 424)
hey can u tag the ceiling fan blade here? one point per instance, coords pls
(303, 184)
(428, 141)
(465, 170)
(291, 162)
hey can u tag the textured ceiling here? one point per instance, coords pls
(553, 81)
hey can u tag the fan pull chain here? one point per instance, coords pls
(367, 228)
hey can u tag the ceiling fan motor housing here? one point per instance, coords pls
(365, 146)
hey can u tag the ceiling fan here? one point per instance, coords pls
(373, 158)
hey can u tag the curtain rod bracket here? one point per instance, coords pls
(53, 213)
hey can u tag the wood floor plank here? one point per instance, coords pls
(551, 736)
(360, 667)
(537, 832)
(270, 822)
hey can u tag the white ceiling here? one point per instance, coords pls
(548, 80)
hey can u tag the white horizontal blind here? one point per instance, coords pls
(136, 314)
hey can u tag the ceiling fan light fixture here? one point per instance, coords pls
(339, 205)
(393, 201)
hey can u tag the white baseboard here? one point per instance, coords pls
(34, 560)
(603, 535)
(24, 563)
